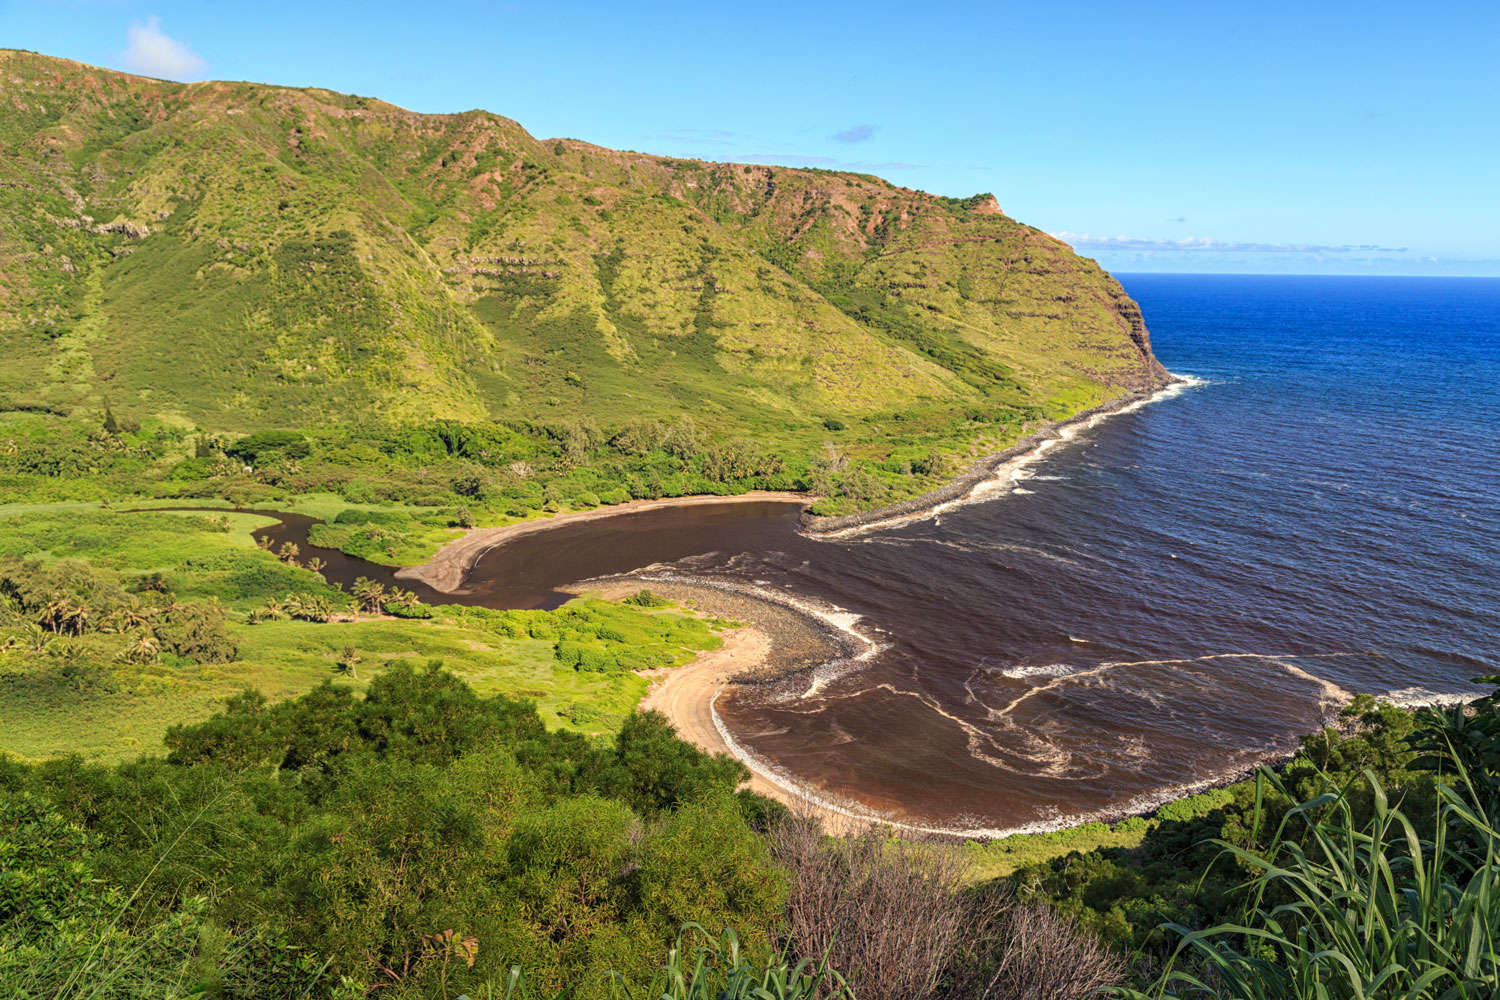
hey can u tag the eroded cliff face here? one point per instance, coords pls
(242, 254)
(1150, 372)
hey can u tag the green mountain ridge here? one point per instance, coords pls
(239, 256)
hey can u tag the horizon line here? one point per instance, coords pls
(1304, 274)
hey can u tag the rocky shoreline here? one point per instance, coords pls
(985, 468)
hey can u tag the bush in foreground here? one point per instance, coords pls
(902, 922)
(1356, 897)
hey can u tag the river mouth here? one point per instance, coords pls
(535, 570)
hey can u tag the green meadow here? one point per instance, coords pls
(62, 692)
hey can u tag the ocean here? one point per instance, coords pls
(1180, 591)
(1171, 596)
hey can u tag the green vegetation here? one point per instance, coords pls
(115, 626)
(421, 840)
(363, 828)
(221, 776)
(1359, 907)
(200, 279)
(1368, 859)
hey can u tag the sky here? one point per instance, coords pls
(1312, 137)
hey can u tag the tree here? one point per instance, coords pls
(197, 631)
(348, 662)
(145, 649)
(370, 595)
(65, 617)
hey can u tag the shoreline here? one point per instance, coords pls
(760, 651)
(777, 641)
(446, 570)
(983, 470)
(783, 638)
(688, 695)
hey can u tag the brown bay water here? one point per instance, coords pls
(1173, 595)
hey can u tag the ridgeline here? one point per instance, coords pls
(241, 256)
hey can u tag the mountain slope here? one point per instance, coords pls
(240, 256)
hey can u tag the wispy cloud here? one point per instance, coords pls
(695, 136)
(152, 52)
(827, 162)
(1201, 244)
(855, 133)
(1180, 218)
(786, 159)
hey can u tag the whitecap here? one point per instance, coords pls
(1417, 697)
(1038, 670)
(1006, 476)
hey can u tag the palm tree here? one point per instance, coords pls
(126, 619)
(154, 582)
(53, 614)
(316, 565)
(348, 662)
(63, 616)
(403, 599)
(145, 649)
(37, 638)
(370, 595)
(288, 552)
(312, 608)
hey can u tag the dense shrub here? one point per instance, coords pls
(646, 599)
(364, 825)
(265, 446)
(196, 631)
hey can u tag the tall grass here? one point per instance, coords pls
(1355, 910)
(715, 970)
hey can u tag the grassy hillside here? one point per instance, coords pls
(236, 256)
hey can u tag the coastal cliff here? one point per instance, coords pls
(245, 255)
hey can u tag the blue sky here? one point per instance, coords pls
(1312, 137)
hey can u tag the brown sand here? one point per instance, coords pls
(685, 694)
(445, 570)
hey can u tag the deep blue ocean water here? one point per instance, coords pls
(1339, 473)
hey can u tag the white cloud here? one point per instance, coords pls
(152, 53)
(1200, 244)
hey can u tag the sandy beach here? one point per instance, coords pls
(685, 695)
(445, 570)
(773, 642)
